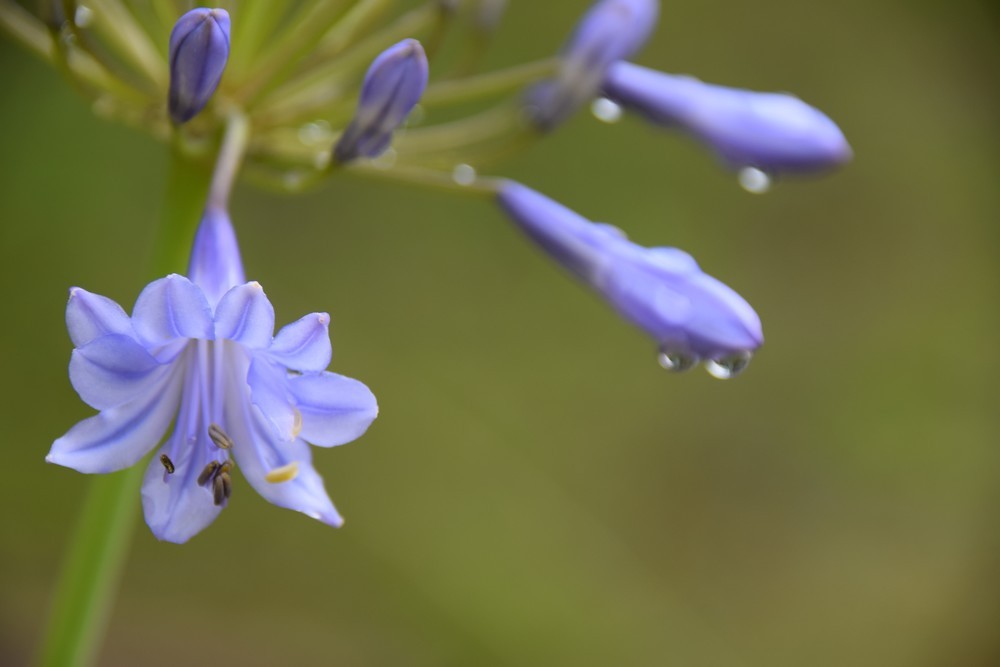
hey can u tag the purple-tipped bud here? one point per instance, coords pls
(392, 87)
(610, 31)
(770, 131)
(199, 49)
(690, 314)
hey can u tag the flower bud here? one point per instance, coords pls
(610, 31)
(199, 49)
(770, 131)
(392, 87)
(660, 290)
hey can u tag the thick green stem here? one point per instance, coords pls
(96, 556)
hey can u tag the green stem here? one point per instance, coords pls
(96, 557)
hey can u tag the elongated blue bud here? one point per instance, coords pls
(199, 49)
(770, 131)
(610, 31)
(690, 314)
(392, 87)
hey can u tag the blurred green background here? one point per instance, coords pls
(536, 490)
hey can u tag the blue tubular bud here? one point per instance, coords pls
(771, 131)
(199, 49)
(392, 87)
(690, 314)
(610, 31)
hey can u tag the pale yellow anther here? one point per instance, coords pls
(297, 423)
(285, 473)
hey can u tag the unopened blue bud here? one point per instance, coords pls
(660, 290)
(392, 87)
(771, 131)
(610, 31)
(199, 49)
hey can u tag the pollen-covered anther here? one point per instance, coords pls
(208, 473)
(222, 486)
(285, 473)
(219, 437)
(297, 424)
(168, 465)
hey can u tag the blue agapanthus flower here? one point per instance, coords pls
(200, 351)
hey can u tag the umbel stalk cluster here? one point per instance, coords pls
(290, 94)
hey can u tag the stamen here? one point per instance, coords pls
(208, 473)
(297, 423)
(219, 489)
(219, 437)
(227, 484)
(167, 464)
(285, 473)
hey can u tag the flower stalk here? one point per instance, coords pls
(97, 554)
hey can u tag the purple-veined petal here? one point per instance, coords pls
(335, 409)
(172, 308)
(175, 506)
(257, 453)
(269, 391)
(246, 316)
(90, 315)
(304, 345)
(117, 438)
(114, 369)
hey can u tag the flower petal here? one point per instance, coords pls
(304, 345)
(176, 507)
(257, 453)
(89, 316)
(117, 438)
(246, 316)
(269, 391)
(113, 369)
(172, 308)
(335, 409)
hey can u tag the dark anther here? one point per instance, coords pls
(219, 437)
(208, 473)
(167, 464)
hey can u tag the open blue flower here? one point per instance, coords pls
(202, 353)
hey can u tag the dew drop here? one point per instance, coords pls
(322, 160)
(464, 174)
(316, 133)
(754, 180)
(104, 106)
(605, 110)
(293, 180)
(83, 16)
(728, 366)
(675, 362)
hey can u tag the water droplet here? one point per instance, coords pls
(315, 134)
(464, 174)
(104, 106)
(754, 180)
(606, 111)
(322, 160)
(674, 361)
(728, 366)
(83, 16)
(293, 179)
(386, 160)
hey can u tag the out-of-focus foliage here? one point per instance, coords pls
(536, 490)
